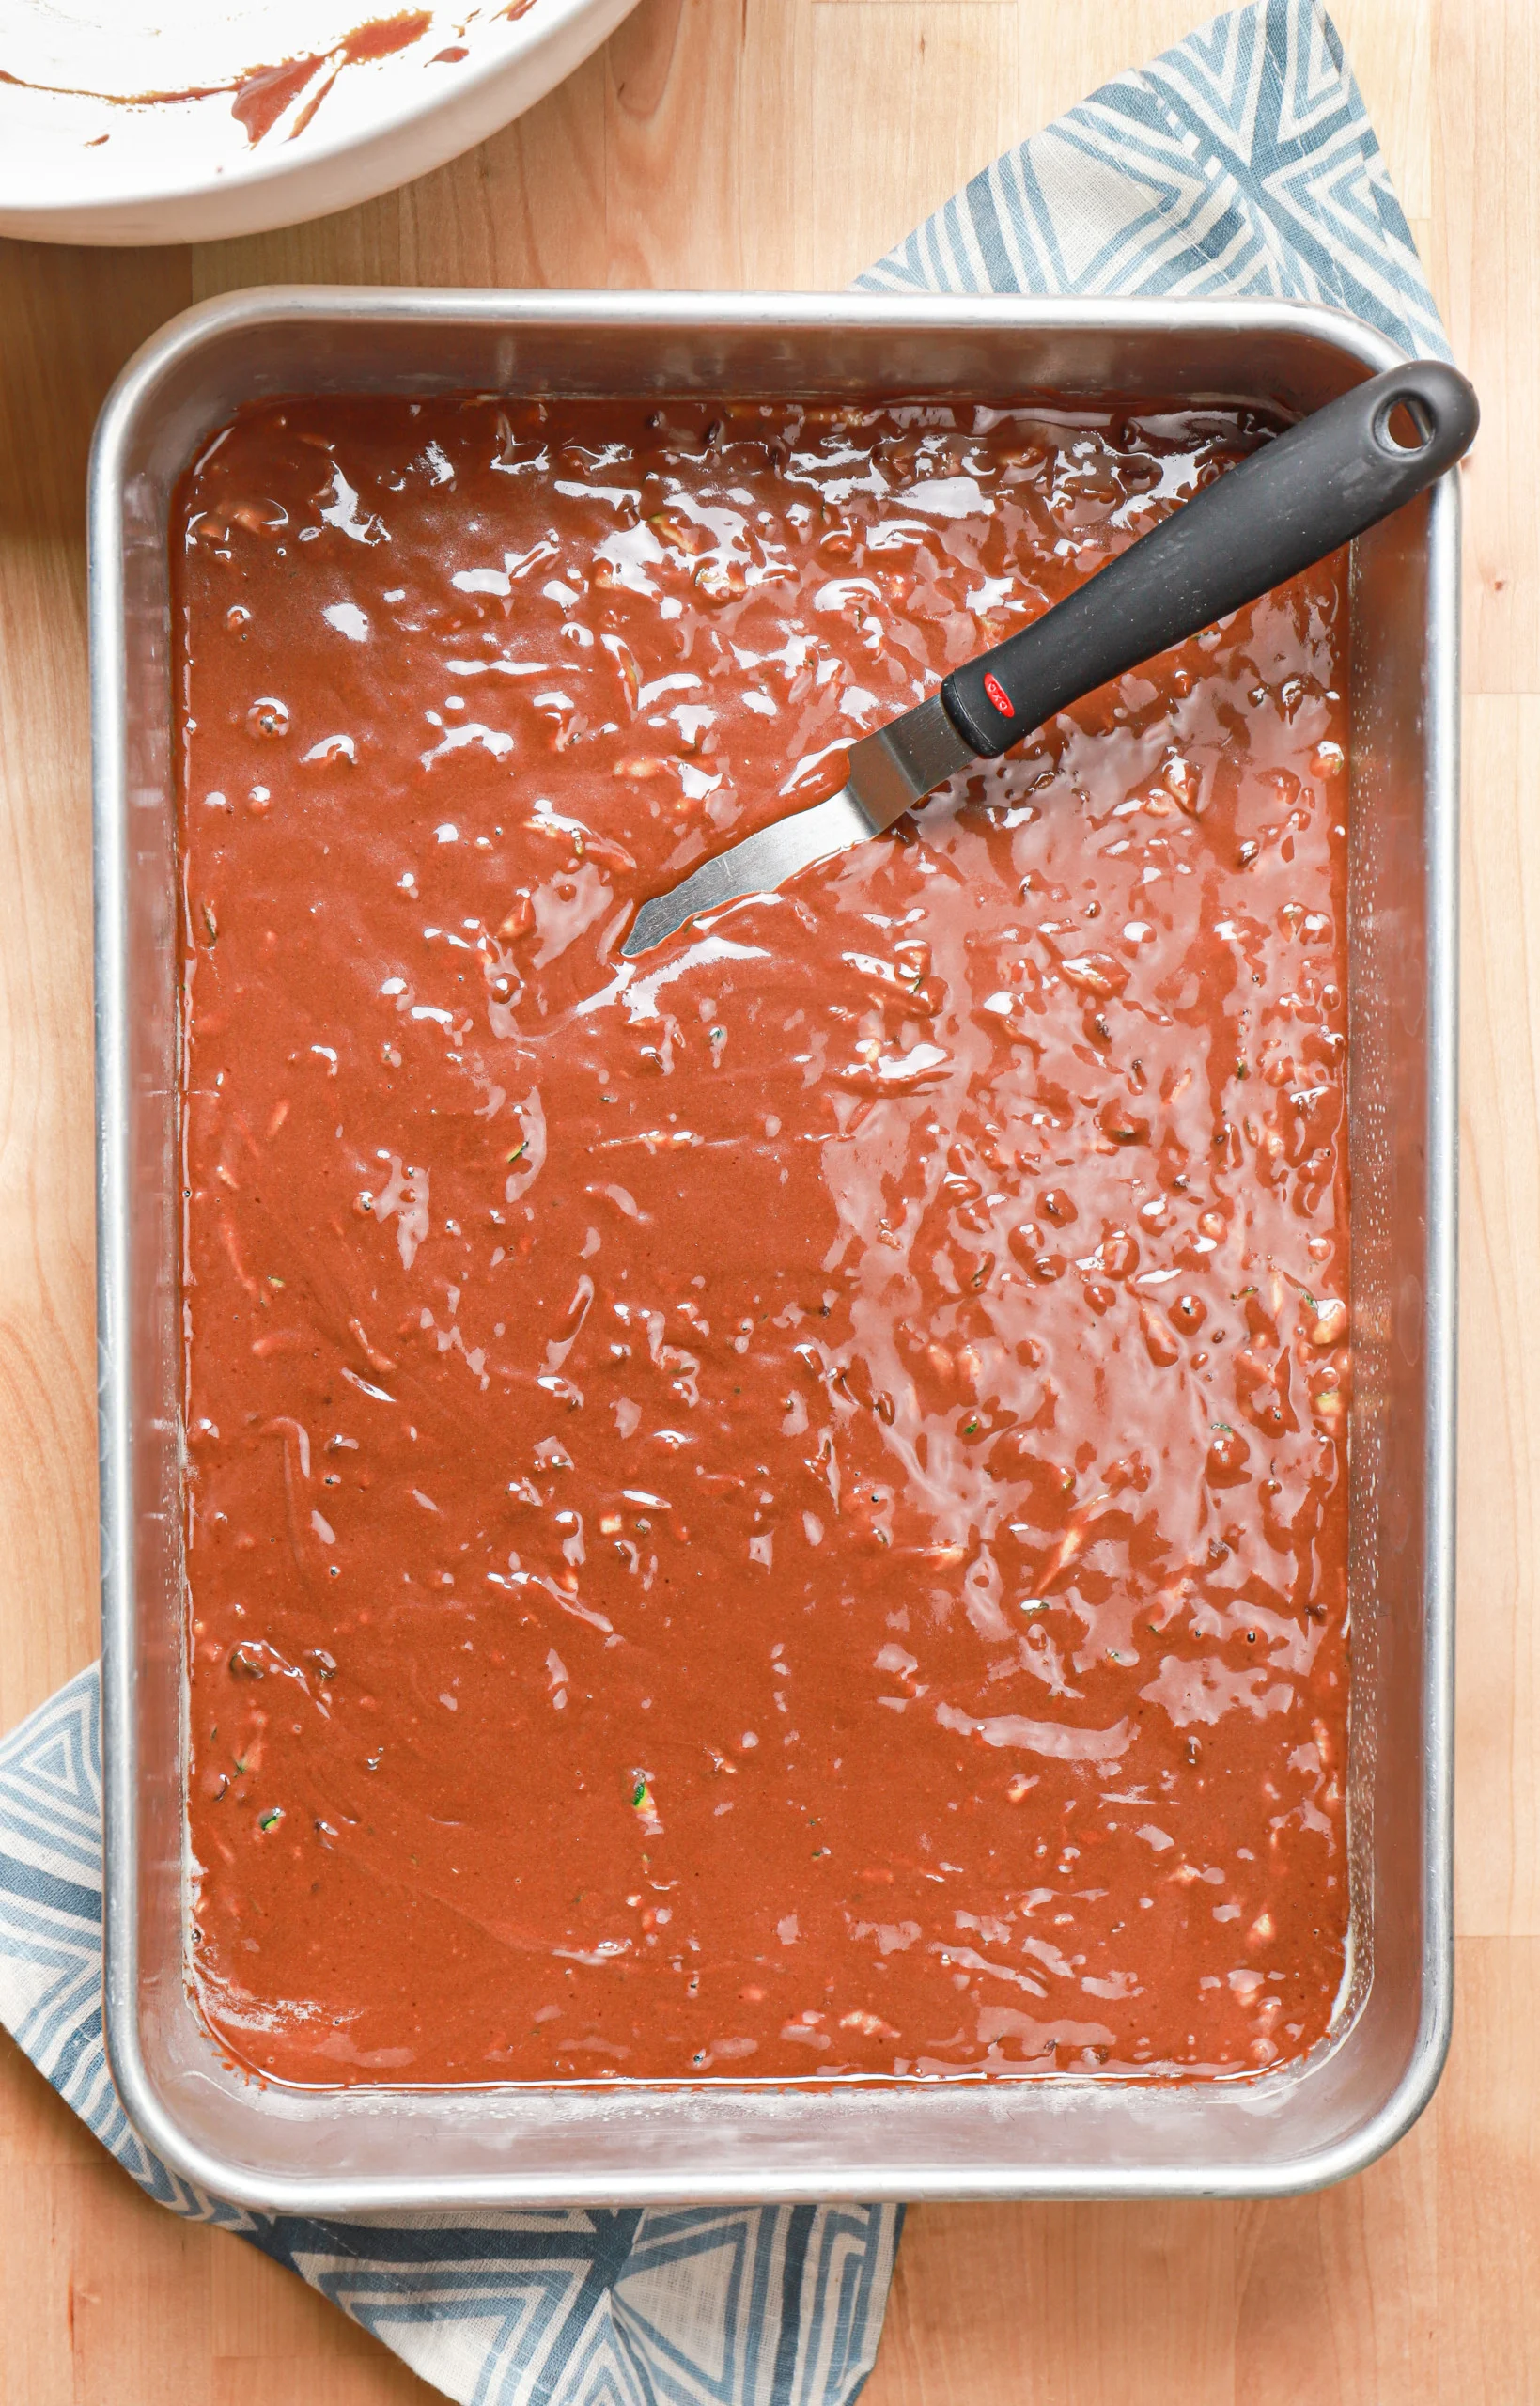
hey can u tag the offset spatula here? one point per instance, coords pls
(1337, 472)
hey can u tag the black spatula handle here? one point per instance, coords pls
(1337, 472)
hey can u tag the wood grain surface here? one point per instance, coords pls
(783, 142)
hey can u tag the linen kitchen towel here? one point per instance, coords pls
(1240, 161)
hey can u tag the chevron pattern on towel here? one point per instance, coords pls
(1241, 162)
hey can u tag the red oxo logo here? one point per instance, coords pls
(997, 694)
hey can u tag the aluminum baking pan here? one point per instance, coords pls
(371, 2150)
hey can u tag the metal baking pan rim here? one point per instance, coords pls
(136, 389)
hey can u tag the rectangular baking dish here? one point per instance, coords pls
(375, 2150)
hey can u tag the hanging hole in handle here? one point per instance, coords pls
(1404, 425)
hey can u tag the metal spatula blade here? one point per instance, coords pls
(889, 771)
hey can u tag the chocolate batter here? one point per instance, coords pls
(778, 1510)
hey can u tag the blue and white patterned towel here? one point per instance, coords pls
(1240, 161)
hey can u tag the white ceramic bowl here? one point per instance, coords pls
(183, 120)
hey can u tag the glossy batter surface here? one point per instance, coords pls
(780, 1510)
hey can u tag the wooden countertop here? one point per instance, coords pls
(789, 142)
